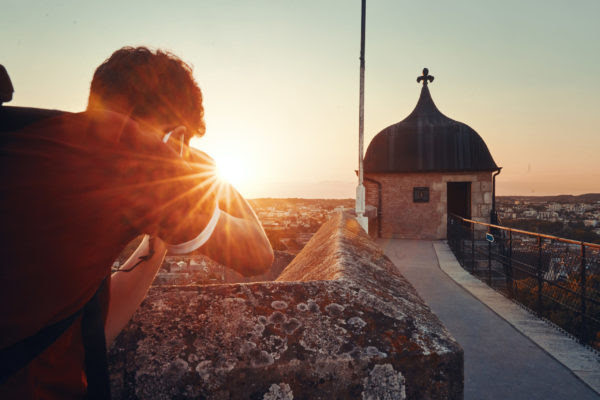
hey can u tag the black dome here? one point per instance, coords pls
(427, 141)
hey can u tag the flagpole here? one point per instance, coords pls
(360, 189)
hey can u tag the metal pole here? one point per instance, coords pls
(361, 106)
(360, 189)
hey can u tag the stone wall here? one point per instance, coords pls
(402, 218)
(339, 323)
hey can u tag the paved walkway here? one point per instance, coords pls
(500, 362)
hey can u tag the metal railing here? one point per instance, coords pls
(557, 278)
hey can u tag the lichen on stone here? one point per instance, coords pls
(280, 391)
(289, 327)
(357, 323)
(313, 306)
(372, 351)
(260, 358)
(279, 305)
(334, 309)
(277, 318)
(338, 308)
(203, 369)
(384, 383)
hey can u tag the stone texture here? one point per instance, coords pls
(339, 322)
(486, 186)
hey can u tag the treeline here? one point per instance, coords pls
(563, 198)
(325, 204)
(571, 230)
(561, 306)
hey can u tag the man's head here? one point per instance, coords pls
(150, 86)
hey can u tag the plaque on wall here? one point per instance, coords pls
(421, 195)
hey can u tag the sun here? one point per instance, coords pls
(232, 170)
(233, 162)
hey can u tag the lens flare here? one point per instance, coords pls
(231, 170)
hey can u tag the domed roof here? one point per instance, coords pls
(427, 141)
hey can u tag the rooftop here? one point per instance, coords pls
(427, 141)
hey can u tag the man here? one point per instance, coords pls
(75, 190)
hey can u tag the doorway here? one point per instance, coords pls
(459, 199)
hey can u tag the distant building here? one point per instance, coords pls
(555, 207)
(548, 215)
(530, 213)
(424, 167)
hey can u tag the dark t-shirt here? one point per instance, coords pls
(74, 191)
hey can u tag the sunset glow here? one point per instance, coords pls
(233, 163)
(231, 169)
(282, 112)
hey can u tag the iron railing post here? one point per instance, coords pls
(583, 334)
(448, 233)
(539, 277)
(575, 286)
(472, 247)
(489, 263)
(509, 276)
(462, 245)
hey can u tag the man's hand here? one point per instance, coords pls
(238, 240)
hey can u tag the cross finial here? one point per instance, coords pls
(425, 77)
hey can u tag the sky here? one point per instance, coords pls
(280, 79)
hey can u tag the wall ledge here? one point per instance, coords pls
(339, 322)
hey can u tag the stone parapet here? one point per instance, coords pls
(339, 323)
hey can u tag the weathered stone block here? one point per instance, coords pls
(439, 186)
(487, 197)
(485, 209)
(370, 211)
(339, 323)
(459, 178)
(476, 198)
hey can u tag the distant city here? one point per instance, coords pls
(571, 217)
(291, 223)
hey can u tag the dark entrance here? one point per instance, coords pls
(459, 199)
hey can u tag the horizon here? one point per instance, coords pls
(280, 80)
(352, 198)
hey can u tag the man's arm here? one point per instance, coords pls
(128, 289)
(238, 240)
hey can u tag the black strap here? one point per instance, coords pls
(13, 119)
(94, 343)
(18, 355)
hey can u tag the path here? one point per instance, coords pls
(500, 362)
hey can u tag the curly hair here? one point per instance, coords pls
(142, 83)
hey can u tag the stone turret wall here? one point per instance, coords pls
(404, 219)
(339, 323)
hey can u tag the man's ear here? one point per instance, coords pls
(180, 132)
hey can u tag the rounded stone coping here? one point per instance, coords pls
(340, 321)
